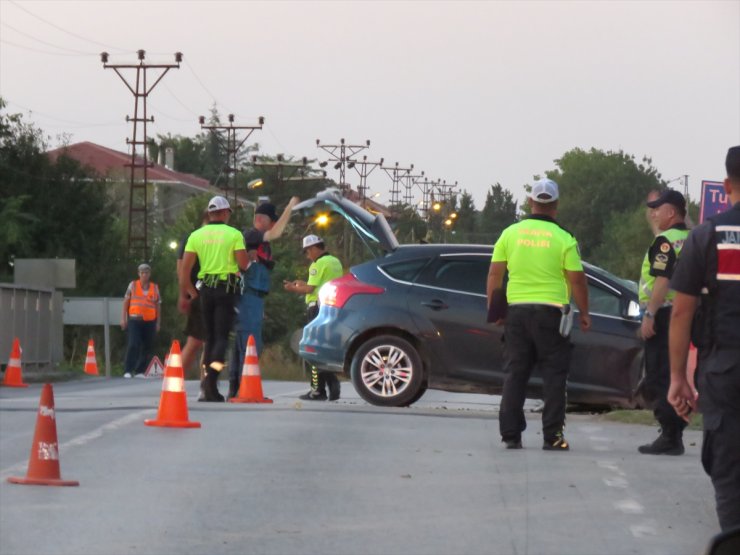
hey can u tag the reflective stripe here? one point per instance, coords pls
(14, 362)
(174, 360)
(250, 369)
(735, 228)
(173, 385)
(728, 277)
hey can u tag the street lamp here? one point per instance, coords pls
(255, 183)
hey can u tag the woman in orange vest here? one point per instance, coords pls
(142, 314)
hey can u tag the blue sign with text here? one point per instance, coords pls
(713, 199)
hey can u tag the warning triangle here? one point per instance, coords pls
(155, 368)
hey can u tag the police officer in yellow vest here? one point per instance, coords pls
(324, 267)
(544, 264)
(141, 316)
(669, 211)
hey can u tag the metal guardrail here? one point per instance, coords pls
(34, 316)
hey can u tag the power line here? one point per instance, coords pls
(10, 43)
(65, 30)
(43, 41)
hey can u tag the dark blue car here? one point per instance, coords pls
(414, 318)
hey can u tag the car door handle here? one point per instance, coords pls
(436, 304)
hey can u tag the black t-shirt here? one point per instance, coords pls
(181, 253)
(254, 239)
(690, 273)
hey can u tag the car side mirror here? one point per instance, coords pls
(633, 310)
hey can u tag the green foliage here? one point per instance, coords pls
(498, 213)
(596, 187)
(627, 237)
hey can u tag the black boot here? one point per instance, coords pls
(669, 442)
(333, 382)
(211, 387)
(233, 388)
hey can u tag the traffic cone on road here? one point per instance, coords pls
(43, 464)
(173, 403)
(13, 373)
(91, 364)
(250, 388)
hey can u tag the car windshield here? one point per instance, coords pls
(626, 283)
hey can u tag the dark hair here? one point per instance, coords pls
(732, 163)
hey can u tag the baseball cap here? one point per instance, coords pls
(145, 267)
(544, 190)
(311, 240)
(218, 203)
(669, 196)
(732, 162)
(268, 210)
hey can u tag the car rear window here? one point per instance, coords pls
(406, 270)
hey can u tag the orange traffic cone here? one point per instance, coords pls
(173, 403)
(250, 388)
(43, 464)
(13, 374)
(91, 364)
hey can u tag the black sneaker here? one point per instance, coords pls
(556, 444)
(334, 390)
(313, 396)
(513, 443)
(664, 445)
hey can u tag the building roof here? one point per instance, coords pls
(111, 164)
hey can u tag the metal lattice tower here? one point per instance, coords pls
(137, 210)
(232, 148)
(363, 169)
(396, 173)
(341, 154)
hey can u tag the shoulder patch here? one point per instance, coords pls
(312, 271)
(665, 247)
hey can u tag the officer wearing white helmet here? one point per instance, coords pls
(324, 267)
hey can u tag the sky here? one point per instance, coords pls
(476, 93)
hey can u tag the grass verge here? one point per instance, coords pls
(644, 417)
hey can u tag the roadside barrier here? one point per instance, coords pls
(13, 373)
(91, 363)
(250, 388)
(43, 463)
(173, 403)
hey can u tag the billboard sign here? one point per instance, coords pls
(713, 199)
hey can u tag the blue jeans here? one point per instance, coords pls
(249, 322)
(140, 342)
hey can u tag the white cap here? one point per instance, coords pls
(145, 267)
(544, 191)
(218, 203)
(311, 240)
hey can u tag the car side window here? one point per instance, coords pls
(467, 274)
(406, 270)
(602, 301)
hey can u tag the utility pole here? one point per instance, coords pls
(137, 208)
(341, 154)
(427, 188)
(363, 172)
(232, 148)
(408, 183)
(396, 174)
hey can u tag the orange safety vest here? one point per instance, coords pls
(141, 305)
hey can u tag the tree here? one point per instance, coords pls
(498, 213)
(597, 187)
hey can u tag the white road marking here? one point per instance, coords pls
(629, 506)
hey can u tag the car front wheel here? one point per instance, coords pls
(387, 371)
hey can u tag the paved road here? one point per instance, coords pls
(341, 477)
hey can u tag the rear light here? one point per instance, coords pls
(338, 291)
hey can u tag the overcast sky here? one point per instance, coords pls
(474, 92)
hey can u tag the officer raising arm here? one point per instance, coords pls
(707, 310)
(544, 264)
(219, 249)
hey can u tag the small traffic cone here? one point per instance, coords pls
(43, 464)
(91, 364)
(173, 403)
(250, 388)
(13, 374)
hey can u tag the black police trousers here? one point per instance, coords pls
(217, 304)
(532, 339)
(718, 384)
(319, 380)
(658, 376)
